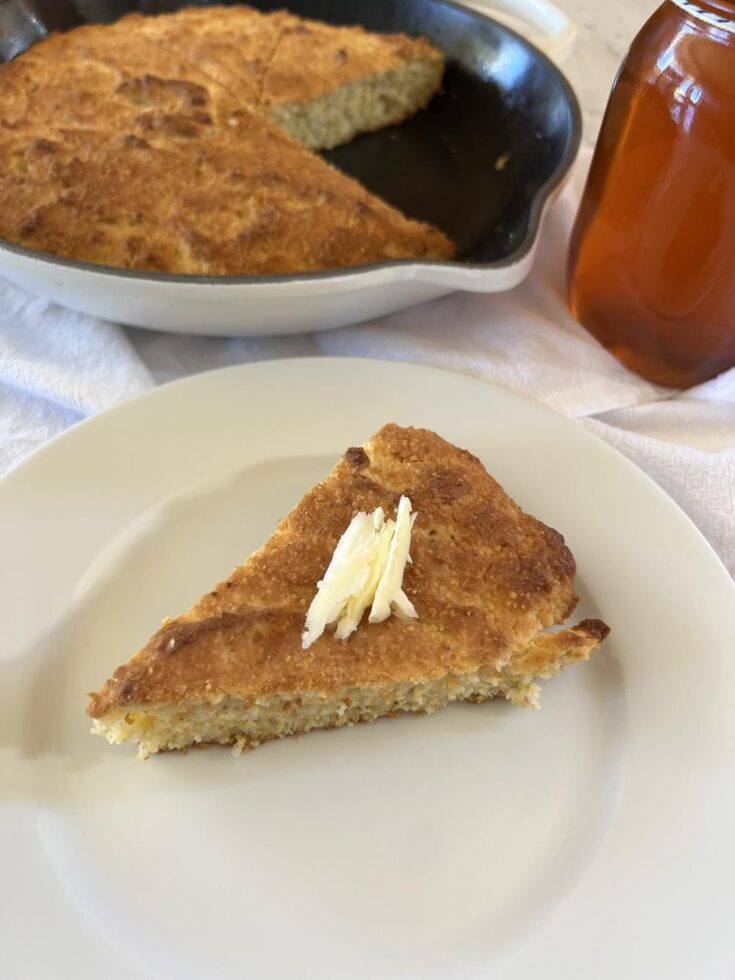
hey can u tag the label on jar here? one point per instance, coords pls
(708, 16)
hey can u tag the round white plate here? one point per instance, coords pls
(590, 839)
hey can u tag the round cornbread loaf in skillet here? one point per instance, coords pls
(223, 189)
(486, 580)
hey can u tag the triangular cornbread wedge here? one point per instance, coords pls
(321, 83)
(168, 172)
(486, 580)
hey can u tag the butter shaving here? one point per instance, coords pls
(366, 569)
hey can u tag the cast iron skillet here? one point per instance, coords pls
(479, 163)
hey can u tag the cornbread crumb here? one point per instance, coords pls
(362, 106)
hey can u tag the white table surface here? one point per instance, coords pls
(605, 32)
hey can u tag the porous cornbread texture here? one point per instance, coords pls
(487, 581)
(161, 143)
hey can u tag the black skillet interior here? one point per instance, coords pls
(476, 163)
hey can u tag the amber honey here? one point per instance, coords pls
(652, 258)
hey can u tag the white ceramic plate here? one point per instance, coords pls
(590, 839)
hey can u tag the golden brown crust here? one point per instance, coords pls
(545, 654)
(261, 57)
(244, 743)
(486, 578)
(232, 45)
(134, 145)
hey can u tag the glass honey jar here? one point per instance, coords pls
(652, 256)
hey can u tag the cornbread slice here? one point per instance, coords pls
(487, 581)
(232, 45)
(323, 84)
(149, 144)
(357, 81)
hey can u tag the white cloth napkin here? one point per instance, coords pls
(56, 367)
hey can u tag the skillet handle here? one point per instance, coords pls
(551, 30)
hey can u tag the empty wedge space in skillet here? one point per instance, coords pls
(486, 579)
(122, 151)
